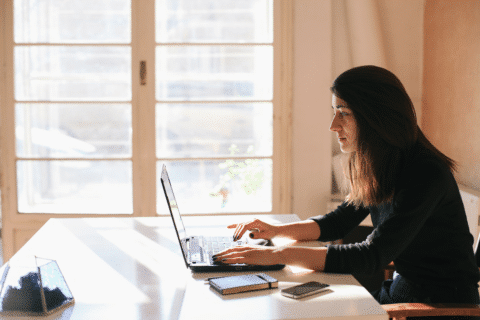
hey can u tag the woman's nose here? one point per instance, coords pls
(334, 126)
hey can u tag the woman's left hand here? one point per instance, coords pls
(257, 255)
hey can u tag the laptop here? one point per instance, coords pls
(197, 250)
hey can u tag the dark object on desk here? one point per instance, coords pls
(29, 297)
(243, 283)
(305, 289)
(35, 290)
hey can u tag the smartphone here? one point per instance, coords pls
(304, 289)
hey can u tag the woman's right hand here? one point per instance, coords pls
(258, 230)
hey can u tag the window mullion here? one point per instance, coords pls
(282, 100)
(7, 129)
(143, 109)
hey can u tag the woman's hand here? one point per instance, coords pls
(300, 230)
(258, 228)
(256, 255)
(312, 258)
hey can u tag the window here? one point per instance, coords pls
(73, 106)
(214, 92)
(98, 95)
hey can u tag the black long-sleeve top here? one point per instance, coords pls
(424, 229)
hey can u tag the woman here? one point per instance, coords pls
(398, 177)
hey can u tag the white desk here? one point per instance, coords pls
(131, 268)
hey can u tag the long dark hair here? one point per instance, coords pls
(387, 132)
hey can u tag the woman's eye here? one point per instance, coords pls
(341, 114)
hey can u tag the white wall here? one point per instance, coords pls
(312, 72)
(386, 33)
(331, 36)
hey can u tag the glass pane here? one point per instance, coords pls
(74, 187)
(218, 186)
(73, 130)
(72, 21)
(214, 21)
(21, 291)
(56, 73)
(214, 129)
(214, 73)
(55, 288)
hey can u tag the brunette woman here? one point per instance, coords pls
(407, 186)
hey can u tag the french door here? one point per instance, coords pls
(97, 95)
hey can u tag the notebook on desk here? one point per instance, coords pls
(197, 250)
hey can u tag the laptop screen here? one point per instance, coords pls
(174, 212)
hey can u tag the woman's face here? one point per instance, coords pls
(344, 125)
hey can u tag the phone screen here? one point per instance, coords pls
(304, 289)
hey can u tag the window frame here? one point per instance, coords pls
(19, 227)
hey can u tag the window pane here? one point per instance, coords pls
(224, 21)
(57, 73)
(73, 130)
(214, 129)
(74, 186)
(214, 73)
(72, 21)
(218, 186)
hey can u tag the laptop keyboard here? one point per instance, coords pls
(212, 245)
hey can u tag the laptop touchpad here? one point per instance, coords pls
(259, 242)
